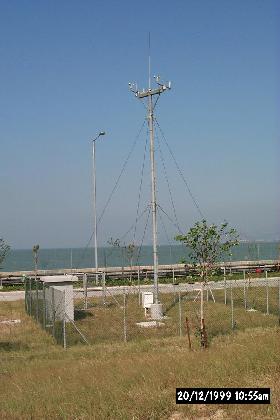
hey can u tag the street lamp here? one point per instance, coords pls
(102, 133)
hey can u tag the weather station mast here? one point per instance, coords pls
(150, 93)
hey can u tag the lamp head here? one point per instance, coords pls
(102, 133)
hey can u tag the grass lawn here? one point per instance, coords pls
(133, 380)
(218, 316)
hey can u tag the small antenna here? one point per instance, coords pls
(149, 60)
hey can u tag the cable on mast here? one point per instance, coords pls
(167, 182)
(170, 219)
(143, 236)
(167, 237)
(121, 172)
(180, 171)
(140, 188)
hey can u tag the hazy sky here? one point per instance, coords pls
(65, 68)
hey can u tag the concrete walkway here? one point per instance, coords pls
(11, 296)
(163, 288)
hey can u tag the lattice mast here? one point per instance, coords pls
(149, 94)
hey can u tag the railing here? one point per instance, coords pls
(142, 271)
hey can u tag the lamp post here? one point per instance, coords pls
(102, 133)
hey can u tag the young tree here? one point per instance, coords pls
(128, 252)
(35, 251)
(207, 243)
(4, 249)
(116, 243)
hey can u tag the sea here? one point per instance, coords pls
(62, 258)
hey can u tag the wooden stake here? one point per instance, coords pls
(204, 340)
(188, 333)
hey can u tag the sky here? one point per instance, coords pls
(65, 68)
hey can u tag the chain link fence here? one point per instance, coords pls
(120, 315)
(105, 314)
(53, 308)
(234, 305)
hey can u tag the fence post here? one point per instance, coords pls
(267, 295)
(64, 334)
(174, 287)
(37, 302)
(53, 313)
(124, 316)
(30, 296)
(279, 302)
(245, 290)
(139, 289)
(25, 295)
(44, 306)
(85, 290)
(180, 315)
(225, 284)
(232, 307)
(64, 326)
(104, 287)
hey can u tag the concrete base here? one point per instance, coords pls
(150, 324)
(156, 311)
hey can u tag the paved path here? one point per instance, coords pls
(163, 288)
(11, 296)
(183, 287)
